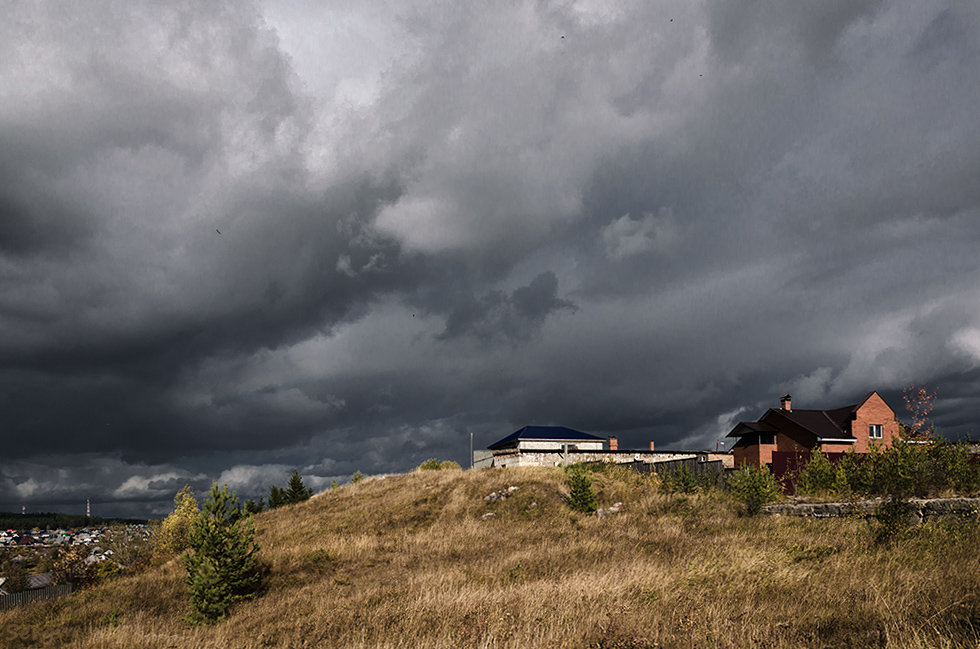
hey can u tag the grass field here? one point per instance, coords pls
(408, 561)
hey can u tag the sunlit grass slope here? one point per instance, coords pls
(408, 561)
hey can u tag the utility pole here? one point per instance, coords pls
(88, 508)
(471, 449)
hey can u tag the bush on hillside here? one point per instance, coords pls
(222, 566)
(753, 487)
(176, 528)
(432, 464)
(679, 480)
(581, 496)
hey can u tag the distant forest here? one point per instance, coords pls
(50, 521)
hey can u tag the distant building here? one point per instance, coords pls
(785, 430)
(558, 445)
(548, 438)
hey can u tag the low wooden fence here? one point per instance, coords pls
(713, 471)
(35, 595)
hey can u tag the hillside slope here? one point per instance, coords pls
(409, 561)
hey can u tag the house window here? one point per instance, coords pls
(874, 431)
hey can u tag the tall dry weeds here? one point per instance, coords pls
(409, 561)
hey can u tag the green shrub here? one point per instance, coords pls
(904, 470)
(679, 480)
(753, 487)
(357, 477)
(953, 467)
(841, 486)
(432, 464)
(581, 496)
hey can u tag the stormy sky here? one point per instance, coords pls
(240, 238)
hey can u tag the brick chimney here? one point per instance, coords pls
(786, 403)
(651, 446)
(613, 444)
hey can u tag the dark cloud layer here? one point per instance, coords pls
(240, 238)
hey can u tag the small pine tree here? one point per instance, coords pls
(842, 485)
(222, 566)
(817, 475)
(581, 496)
(357, 477)
(277, 497)
(753, 487)
(296, 491)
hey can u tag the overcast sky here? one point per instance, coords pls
(241, 238)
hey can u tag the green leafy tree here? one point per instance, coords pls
(296, 491)
(175, 529)
(581, 496)
(432, 464)
(753, 487)
(222, 566)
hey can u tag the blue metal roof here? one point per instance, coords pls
(551, 433)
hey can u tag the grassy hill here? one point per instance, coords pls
(409, 561)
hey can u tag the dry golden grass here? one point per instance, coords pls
(407, 562)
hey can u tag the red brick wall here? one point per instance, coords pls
(836, 448)
(756, 454)
(873, 411)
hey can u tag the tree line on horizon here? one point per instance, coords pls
(294, 492)
(56, 521)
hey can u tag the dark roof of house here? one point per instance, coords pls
(550, 433)
(748, 427)
(825, 424)
(822, 423)
(41, 580)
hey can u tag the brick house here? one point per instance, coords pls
(856, 427)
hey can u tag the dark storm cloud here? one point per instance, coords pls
(513, 316)
(237, 239)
